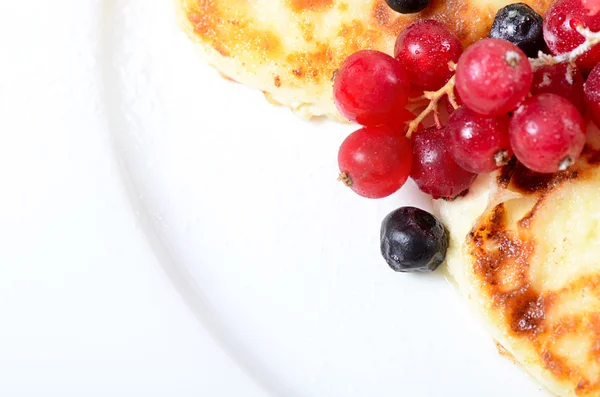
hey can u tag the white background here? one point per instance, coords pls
(85, 309)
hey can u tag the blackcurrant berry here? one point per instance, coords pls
(413, 240)
(522, 26)
(407, 6)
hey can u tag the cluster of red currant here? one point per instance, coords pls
(501, 103)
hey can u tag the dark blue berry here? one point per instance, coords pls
(413, 240)
(407, 6)
(522, 26)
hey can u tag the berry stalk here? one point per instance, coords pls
(433, 97)
(591, 39)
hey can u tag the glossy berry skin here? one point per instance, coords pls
(547, 133)
(413, 240)
(592, 94)
(407, 6)
(562, 79)
(522, 26)
(434, 170)
(560, 34)
(493, 77)
(479, 144)
(404, 117)
(376, 160)
(371, 88)
(425, 48)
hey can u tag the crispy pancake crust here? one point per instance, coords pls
(530, 265)
(290, 49)
(538, 317)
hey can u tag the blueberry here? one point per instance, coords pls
(522, 26)
(413, 240)
(407, 6)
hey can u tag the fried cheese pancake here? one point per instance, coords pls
(525, 251)
(290, 49)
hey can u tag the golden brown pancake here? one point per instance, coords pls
(290, 49)
(525, 251)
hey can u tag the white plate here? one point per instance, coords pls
(85, 308)
(279, 261)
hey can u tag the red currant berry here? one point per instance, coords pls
(434, 170)
(592, 94)
(478, 143)
(562, 79)
(593, 6)
(404, 117)
(561, 20)
(375, 161)
(425, 48)
(416, 92)
(371, 88)
(547, 133)
(493, 76)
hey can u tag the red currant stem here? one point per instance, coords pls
(418, 99)
(452, 100)
(436, 118)
(591, 39)
(433, 97)
(345, 179)
(416, 103)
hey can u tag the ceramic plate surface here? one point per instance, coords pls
(239, 203)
